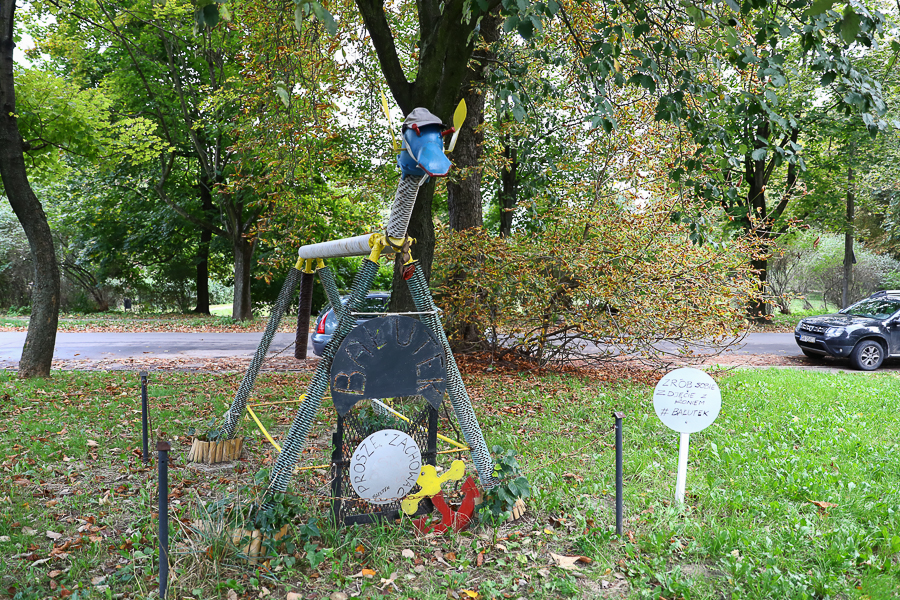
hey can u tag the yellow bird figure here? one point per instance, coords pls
(431, 484)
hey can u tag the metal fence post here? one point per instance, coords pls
(619, 416)
(163, 448)
(145, 455)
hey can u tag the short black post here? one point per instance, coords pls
(145, 456)
(163, 459)
(304, 309)
(619, 416)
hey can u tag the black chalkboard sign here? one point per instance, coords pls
(387, 357)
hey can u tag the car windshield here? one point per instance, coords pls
(371, 305)
(874, 308)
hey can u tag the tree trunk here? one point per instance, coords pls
(445, 44)
(242, 309)
(757, 220)
(203, 273)
(849, 257)
(758, 307)
(464, 193)
(37, 354)
(464, 186)
(203, 251)
(509, 189)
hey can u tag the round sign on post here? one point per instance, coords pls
(686, 400)
(385, 466)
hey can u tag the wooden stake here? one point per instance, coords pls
(255, 543)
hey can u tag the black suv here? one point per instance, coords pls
(866, 332)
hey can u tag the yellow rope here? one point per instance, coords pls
(300, 399)
(312, 467)
(440, 437)
(263, 429)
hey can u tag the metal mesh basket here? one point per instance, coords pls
(361, 421)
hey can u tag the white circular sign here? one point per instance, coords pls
(385, 466)
(687, 400)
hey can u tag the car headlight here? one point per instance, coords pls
(833, 332)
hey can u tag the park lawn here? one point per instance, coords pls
(794, 492)
(121, 321)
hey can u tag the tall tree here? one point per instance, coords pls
(181, 76)
(433, 77)
(40, 341)
(725, 74)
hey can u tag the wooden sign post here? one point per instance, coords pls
(687, 401)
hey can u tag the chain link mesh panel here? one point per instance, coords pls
(331, 290)
(456, 389)
(239, 404)
(299, 431)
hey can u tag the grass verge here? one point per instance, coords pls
(793, 493)
(120, 321)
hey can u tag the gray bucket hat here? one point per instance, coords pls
(421, 117)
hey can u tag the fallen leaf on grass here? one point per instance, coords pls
(470, 593)
(823, 506)
(231, 595)
(568, 562)
(367, 573)
(53, 535)
(407, 553)
(389, 581)
(294, 596)
(92, 444)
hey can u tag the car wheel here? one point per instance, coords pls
(811, 354)
(867, 355)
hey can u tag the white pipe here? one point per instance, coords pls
(354, 246)
(682, 467)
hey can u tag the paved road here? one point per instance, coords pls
(93, 346)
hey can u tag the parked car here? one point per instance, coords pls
(866, 332)
(375, 303)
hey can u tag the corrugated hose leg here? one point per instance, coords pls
(239, 404)
(456, 389)
(331, 290)
(299, 432)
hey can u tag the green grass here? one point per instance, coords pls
(750, 529)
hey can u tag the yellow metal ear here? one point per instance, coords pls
(387, 114)
(459, 117)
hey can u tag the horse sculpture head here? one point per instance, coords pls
(422, 146)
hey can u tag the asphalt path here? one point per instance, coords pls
(95, 346)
